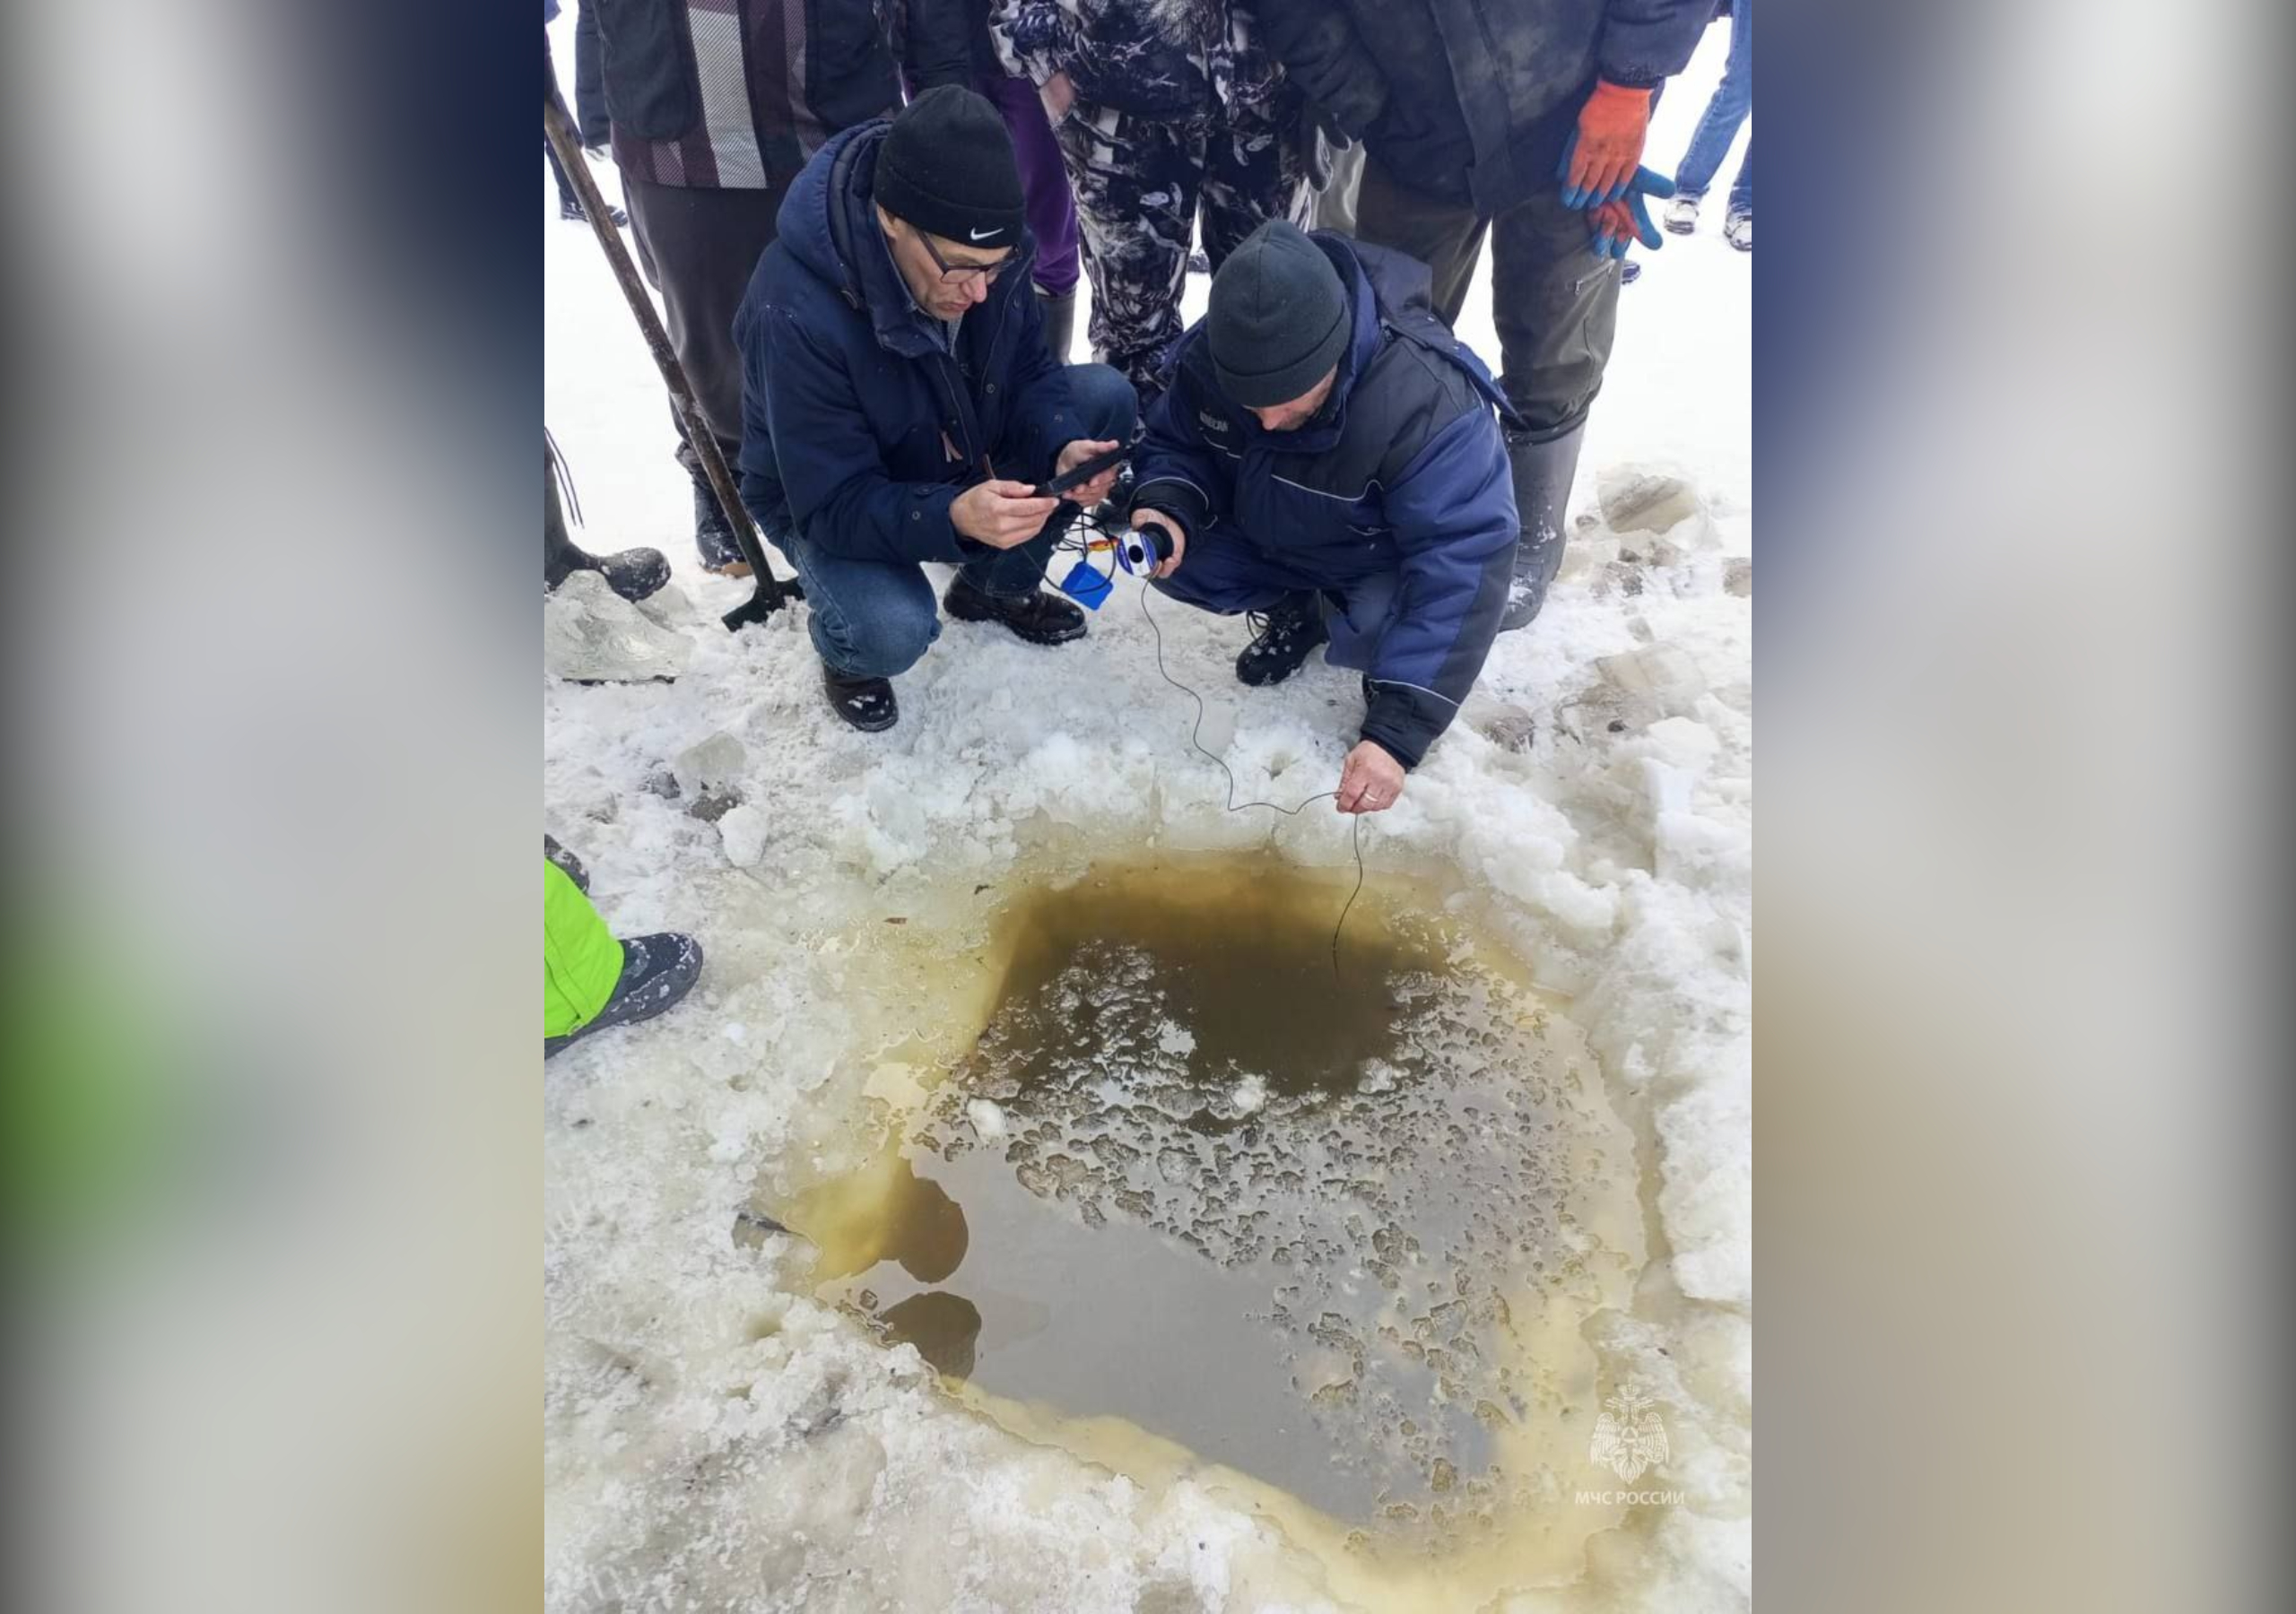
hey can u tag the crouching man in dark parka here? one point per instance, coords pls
(1329, 458)
(899, 404)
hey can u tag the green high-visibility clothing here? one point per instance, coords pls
(581, 962)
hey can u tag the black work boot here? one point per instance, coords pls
(1281, 638)
(1038, 617)
(656, 971)
(713, 536)
(866, 703)
(1543, 474)
(1060, 321)
(634, 573)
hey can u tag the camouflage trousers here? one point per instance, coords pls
(1140, 183)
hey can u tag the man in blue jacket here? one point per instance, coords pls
(1329, 458)
(899, 402)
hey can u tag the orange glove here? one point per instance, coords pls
(1606, 146)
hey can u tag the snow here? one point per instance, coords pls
(716, 1439)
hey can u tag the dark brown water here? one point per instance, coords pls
(1188, 1176)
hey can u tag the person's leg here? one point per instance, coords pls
(1051, 209)
(868, 619)
(580, 960)
(1044, 181)
(1135, 182)
(592, 980)
(634, 574)
(570, 205)
(1741, 189)
(699, 248)
(1445, 236)
(1554, 301)
(1335, 207)
(1225, 573)
(1732, 100)
(1254, 170)
(1358, 619)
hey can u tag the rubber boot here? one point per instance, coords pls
(634, 574)
(1543, 474)
(1060, 321)
(561, 558)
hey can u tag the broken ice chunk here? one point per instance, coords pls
(1637, 501)
(592, 635)
(987, 1119)
(1663, 673)
(743, 830)
(713, 763)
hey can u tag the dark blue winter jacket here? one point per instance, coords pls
(850, 405)
(1404, 470)
(1474, 99)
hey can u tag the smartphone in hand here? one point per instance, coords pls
(1081, 473)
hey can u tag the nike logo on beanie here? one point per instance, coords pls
(946, 166)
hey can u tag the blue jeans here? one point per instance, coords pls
(875, 618)
(1733, 97)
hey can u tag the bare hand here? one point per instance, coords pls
(1089, 493)
(1175, 539)
(1059, 95)
(1001, 515)
(1370, 781)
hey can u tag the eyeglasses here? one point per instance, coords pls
(958, 275)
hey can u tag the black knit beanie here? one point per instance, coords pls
(1279, 317)
(947, 167)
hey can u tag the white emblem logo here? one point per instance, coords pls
(982, 235)
(1628, 1436)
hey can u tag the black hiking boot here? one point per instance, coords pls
(1038, 617)
(1281, 638)
(656, 971)
(866, 703)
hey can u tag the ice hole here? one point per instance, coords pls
(1336, 1229)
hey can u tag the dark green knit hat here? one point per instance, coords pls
(1279, 317)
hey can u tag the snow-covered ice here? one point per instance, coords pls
(715, 1437)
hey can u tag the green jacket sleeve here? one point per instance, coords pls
(581, 962)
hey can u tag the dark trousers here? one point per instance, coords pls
(567, 196)
(698, 248)
(1231, 574)
(1140, 184)
(1554, 301)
